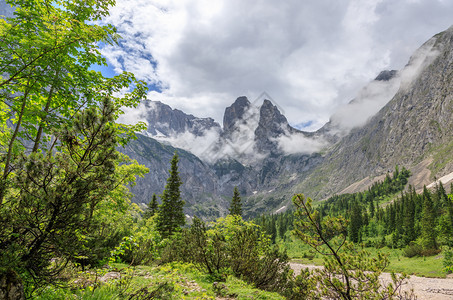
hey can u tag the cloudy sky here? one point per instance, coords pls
(311, 57)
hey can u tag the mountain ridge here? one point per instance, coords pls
(404, 132)
(253, 149)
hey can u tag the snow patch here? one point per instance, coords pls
(444, 179)
(280, 209)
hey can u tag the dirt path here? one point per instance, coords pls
(424, 288)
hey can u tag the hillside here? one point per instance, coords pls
(413, 130)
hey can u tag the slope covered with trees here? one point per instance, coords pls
(388, 214)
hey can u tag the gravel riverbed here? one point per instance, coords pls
(424, 288)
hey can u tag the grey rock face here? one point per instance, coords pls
(415, 125)
(235, 113)
(386, 75)
(271, 125)
(163, 120)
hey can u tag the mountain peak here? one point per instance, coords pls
(164, 121)
(271, 125)
(235, 112)
(386, 75)
(269, 113)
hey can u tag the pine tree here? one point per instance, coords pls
(428, 233)
(236, 205)
(408, 220)
(171, 215)
(152, 208)
(371, 208)
(355, 223)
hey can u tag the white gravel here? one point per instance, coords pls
(424, 288)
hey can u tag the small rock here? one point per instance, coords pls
(109, 276)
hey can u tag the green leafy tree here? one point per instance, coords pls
(232, 245)
(371, 208)
(236, 205)
(141, 246)
(48, 49)
(58, 136)
(152, 208)
(171, 216)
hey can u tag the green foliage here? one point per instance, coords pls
(46, 78)
(379, 218)
(348, 272)
(236, 205)
(355, 224)
(234, 246)
(141, 247)
(171, 216)
(152, 209)
(413, 249)
(448, 261)
(428, 234)
(171, 281)
(50, 214)
(276, 225)
(54, 198)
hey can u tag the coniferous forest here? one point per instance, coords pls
(68, 228)
(389, 214)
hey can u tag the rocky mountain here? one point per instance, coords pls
(400, 118)
(237, 112)
(413, 130)
(164, 121)
(245, 153)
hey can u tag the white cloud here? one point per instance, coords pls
(311, 56)
(239, 143)
(367, 103)
(132, 116)
(192, 143)
(300, 144)
(378, 93)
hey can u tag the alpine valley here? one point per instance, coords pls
(401, 118)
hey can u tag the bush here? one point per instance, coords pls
(412, 250)
(430, 252)
(141, 247)
(308, 255)
(448, 261)
(234, 246)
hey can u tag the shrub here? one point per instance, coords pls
(448, 261)
(232, 245)
(430, 252)
(141, 247)
(412, 250)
